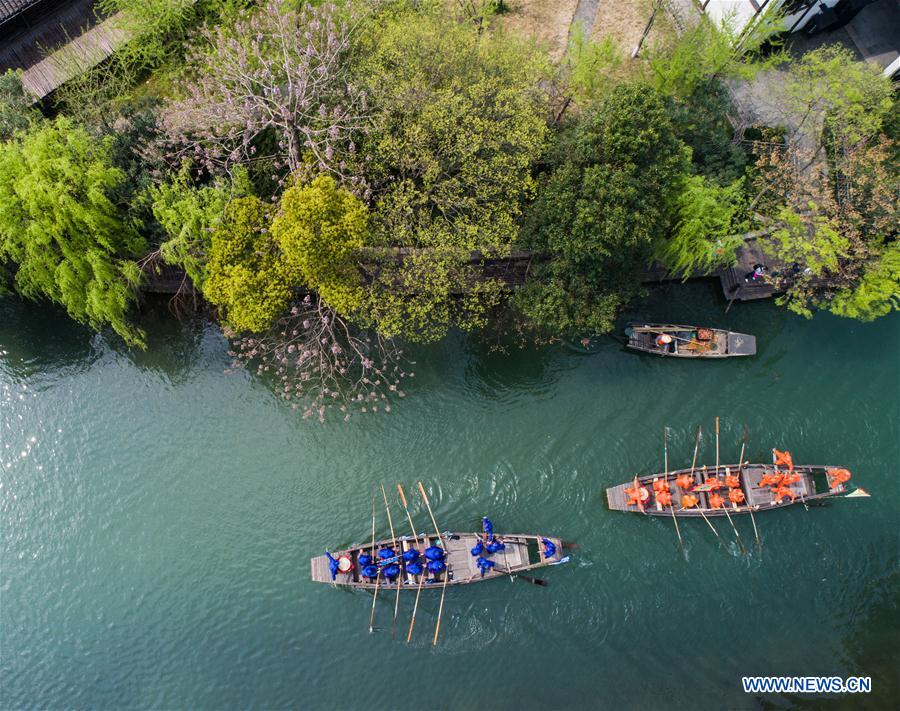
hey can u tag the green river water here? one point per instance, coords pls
(158, 516)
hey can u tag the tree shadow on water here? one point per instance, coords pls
(37, 337)
(40, 338)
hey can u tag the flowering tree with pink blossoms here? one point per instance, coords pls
(322, 363)
(279, 72)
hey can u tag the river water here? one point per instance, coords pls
(158, 516)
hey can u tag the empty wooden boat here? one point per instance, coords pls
(412, 559)
(708, 491)
(679, 341)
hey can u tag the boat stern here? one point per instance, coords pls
(741, 344)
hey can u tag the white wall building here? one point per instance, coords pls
(740, 14)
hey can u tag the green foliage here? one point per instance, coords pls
(320, 228)
(602, 212)
(593, 67)
(707, 53)
(159, 31)
(708, 218)
(852, 97)
(701, 121)
(15, 105)
(61, 229)
(878, 291)
(188, 215)
(245, 274)
(457, 123)
(811, 238)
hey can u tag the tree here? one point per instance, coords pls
(457, 122)
(601, 213)
(829, 196)
(838, 224)
(849, 98)
(707, 53)
(246, 275)
(63, 227)
(320, 228)
(279, 72)
(708, 218)
(189, 214)
(15, 105)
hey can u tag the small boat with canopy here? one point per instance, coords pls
(688, 341)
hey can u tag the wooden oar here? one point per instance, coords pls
(724, 507)
(378, 574)
(667, 333)
(693, 465)
(400, 565)
(437, 626)
(374, 598)
(412, 620)
(526, 578)
(666, 479)
(717, 446)
(744, 437)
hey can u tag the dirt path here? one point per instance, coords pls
(585, 15)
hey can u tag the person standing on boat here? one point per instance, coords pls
(664, 341)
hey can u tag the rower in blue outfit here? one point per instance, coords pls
(549, 548)
(434, 553)
(333, 565)
(484, 564)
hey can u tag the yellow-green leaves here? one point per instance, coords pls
(246, 275)
(315, 234)
(320, 228)
(61, 232)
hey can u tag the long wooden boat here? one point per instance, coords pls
(813, 484)
(522, 552)
(688, 341)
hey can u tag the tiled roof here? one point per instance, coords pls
(8, 8)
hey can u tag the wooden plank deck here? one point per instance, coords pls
(41, 27)
(82, 53)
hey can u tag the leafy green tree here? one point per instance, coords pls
(592, 67)
(457, 123)
(877, 292)
(851, 98)
(707, 222)
(601, 214)
(830, 199)
(246, 275)
(320, 228)
(63, 229)
(15, 105)
(836, 225)
(188, 214)
(707, 52)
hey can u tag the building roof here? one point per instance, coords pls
(10, 8)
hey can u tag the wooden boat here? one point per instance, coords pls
(689, 341)
(523, 552)
(814, 484)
